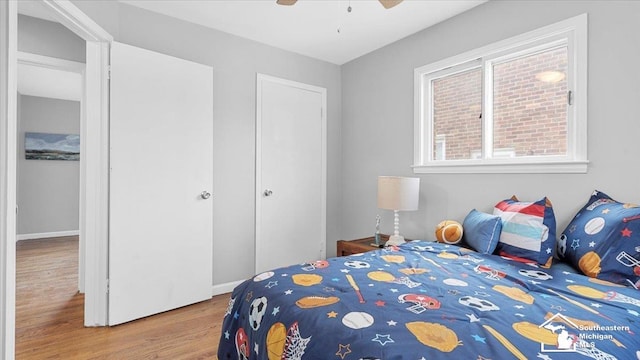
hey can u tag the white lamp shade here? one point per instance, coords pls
(398, 193)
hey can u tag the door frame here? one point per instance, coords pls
(261, 78)
(8, 157)
(95, 149)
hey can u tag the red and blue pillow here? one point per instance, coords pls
(528, 230)
(603, 240)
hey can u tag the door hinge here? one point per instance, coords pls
(107, 286)
(570, 97)
(109, 72)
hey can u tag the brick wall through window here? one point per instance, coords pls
(529, 112)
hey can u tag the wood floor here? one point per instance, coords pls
(49, 315)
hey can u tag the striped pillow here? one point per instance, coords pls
(528, 230)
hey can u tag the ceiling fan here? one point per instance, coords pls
(388, 4)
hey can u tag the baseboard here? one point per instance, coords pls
(225, 288)
(47, 235)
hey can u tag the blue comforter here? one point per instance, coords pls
(427, 300)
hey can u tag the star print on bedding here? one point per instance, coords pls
(425, 300)
(603, 240)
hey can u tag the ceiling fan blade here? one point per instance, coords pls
(286, 2)
(388, 4)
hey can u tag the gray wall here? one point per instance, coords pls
(235, 62)
(377, 113)
(48, 194)
(48, 191)
(48, 38)
(370, 118)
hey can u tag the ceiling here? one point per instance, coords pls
(321, 29)
(35, 8)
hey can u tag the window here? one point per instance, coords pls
(516, 106)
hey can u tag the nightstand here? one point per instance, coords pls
(348, 247)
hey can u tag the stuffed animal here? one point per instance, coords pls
(449, 232)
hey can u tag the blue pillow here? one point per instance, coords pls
(482, 231)
(603, 240)
(528, 230)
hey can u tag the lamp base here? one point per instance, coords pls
(395, 240)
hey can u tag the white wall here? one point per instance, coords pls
(235, 62)
(48, 190)
(377, 117)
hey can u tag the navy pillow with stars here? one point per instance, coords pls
(603, 240)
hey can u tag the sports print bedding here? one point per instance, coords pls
(426, 300)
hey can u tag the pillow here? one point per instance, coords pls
(482, 231)
(603, 240)
(528, 230)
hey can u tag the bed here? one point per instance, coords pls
(426, 300)
(493, 298)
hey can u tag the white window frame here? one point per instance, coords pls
(573, 33)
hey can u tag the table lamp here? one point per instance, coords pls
(398, 194)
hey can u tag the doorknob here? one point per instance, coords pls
(205, 195)
(267, 192)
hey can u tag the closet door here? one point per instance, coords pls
(161, 159)
(291, 173)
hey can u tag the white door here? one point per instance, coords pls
(161, 159)
(291, 173)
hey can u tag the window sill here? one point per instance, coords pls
(555, 167)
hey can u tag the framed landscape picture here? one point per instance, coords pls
(44, 146)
